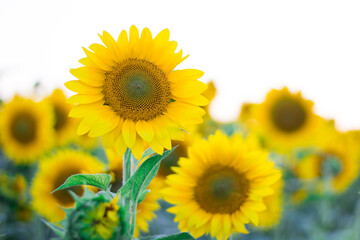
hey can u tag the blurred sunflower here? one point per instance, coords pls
(53, 171)
(286, 120)
(147, 207)
(129, 92)
(220, 187)
(336, 159)
(65, 127)
(26, 129)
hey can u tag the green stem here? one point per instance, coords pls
(134, 204)
(126, 177)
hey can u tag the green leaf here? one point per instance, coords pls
(143, 176)
(100, 180)
(178, 236)
(58, 230)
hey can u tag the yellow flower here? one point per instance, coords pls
(220, 186)
(26, 129)
(65, 127)
(286, 120)
(147, 207)
(53, 171)
(335, 158)
(130, 94)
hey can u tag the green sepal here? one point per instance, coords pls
(143, 176)
(99, 180)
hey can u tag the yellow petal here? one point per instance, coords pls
(145, 130)
(89, 77)
(198, 100)
(187, 89)
(120, 146)
(108, 122)
(82, 88)
(138, 148)
(182, 75)
(97, 60)
(85, 98)
(83, 127)
(129, 132)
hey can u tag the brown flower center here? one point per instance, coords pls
(288, 115)
(61, 118)
(137, 89)
(221, 189)
(23, 127)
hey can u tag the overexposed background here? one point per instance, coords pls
(246, 47)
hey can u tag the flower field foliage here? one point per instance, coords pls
(136, 154)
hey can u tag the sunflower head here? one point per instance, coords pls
(53, 171)
(335, 159)
(220, 186)
(64, 126)
(98, 218)
(130, 93)
(286, 119)
(26, 129)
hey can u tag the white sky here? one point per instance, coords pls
(246, 47)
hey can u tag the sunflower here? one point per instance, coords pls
(286, 120)
(334, 158)
(26, 129)
(65, 127)
(99, 221)
(129, 92)
(220, 186)
(53, 171)
(147, 207)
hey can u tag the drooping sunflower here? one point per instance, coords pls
(336, 158)
(286, 120)
(147, 207)
(129, 92)
(220, 187)
(64, 126)
(53, 171)
(26, 129)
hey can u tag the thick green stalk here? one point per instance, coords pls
(126, 177)
(134, 162)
